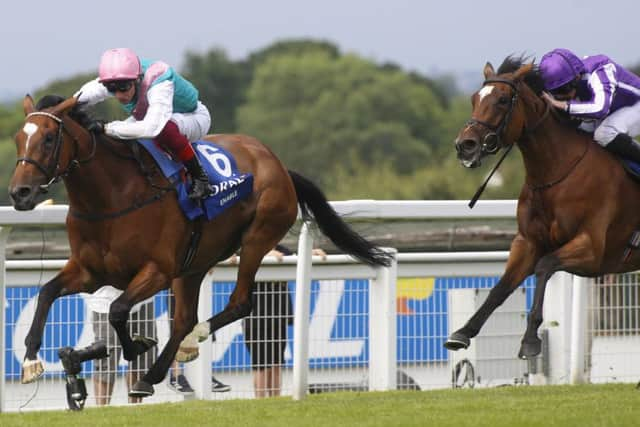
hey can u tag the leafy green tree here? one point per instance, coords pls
(294, 47)
(317, 111)
(7, 163)
(359, 129)
(222, 85)
(11, 118)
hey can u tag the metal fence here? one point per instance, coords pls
(612, 347)
(355, 328)
(340, 350)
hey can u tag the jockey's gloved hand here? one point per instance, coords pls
(97, 127)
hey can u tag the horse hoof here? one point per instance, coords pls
(187, 354)
(144, 343)
(529, 350)
(201, 331)
(140, 345)
(31, 371)
(141, 389)
(188, 349)
(457, 341)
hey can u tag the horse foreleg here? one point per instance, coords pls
(519, 265)
(144, 285)
(574, 254)
(186, 293)
(67, 282)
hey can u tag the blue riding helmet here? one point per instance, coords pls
(559, 67)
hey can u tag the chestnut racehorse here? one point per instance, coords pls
(126, 229)
(577, 209)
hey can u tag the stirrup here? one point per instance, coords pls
(200, 190)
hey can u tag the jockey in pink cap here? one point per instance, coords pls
(162, 104)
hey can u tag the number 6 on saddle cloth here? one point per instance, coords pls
(229, 186)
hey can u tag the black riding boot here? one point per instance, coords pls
(624, 146)
(201, 187)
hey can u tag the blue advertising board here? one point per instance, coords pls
(338, 324)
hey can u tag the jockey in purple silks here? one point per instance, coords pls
(598, 91)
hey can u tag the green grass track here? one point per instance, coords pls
(609, 405)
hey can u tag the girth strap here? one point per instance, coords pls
(194, 242)
(634, 243)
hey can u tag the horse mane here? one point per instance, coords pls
(533, 78)
(77, 113)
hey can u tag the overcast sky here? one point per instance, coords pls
(46, 40)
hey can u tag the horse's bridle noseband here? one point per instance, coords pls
(50, 172)
(492, 141)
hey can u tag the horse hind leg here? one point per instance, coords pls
(186, 291)
(575, 254)
(262, 236)
(239, 306)
(188, 349)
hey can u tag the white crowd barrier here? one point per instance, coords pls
(354, 327)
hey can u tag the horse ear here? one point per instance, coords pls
(522, 71)
(65, 106)
(27, 105)
(488, 71)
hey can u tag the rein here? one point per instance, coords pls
(566, 175)
(492, 141)
(52, 177)
(526, 132)
(547, 185)
(162, 190)
(50, 171)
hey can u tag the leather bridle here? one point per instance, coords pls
(492, 141)
(51, 171)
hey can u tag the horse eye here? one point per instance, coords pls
(503, 100)
(48, 139)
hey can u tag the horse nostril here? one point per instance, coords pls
(466, 146)
(20, 193)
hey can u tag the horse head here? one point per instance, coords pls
(46, 149)
(496, 121)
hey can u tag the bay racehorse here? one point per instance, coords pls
(577, 209)
(126, 229)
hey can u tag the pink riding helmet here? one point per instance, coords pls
(119, 64)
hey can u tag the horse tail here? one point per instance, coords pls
(315, 207)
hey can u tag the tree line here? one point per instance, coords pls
(358, 128)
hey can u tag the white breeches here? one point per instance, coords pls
(193, 125)
(625, 120)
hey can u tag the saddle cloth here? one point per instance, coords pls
(631, 167)
(229, 185)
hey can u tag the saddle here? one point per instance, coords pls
(228, 184)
